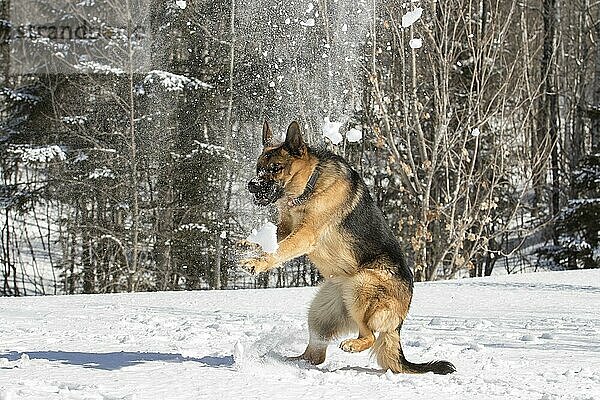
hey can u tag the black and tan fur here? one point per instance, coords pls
(368, 286)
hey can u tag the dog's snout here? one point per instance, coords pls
(265, 191)
(254, 186)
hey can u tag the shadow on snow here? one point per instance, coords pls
(117, 360)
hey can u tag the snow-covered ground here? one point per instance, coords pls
(530, 336)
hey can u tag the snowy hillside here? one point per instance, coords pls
(533, 336)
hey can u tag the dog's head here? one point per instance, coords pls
(277, 164)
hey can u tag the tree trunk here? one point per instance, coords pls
(225, 174)
(595, 115)
(134, 268)
(549, 112)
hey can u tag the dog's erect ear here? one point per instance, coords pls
(293, 140)
(267, 138)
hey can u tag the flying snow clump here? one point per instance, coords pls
(331, 130)
(411, 17)
(354, 135)
(415, 43)
(181, 4)
(265, 237)
(309, 22)
(238, 351)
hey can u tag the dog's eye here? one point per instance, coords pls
(274, 168)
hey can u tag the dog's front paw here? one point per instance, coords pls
(248, 246)
(256, 265)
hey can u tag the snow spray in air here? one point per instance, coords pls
(309, 55)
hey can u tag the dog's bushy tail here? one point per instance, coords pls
(388, 350)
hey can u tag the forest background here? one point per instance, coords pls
(128, 131)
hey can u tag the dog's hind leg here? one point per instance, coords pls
(328, 318)
(360, 311)
(375, 301)
(379, 302)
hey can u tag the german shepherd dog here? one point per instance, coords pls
(327, 213)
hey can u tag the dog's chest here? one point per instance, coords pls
(296, 215)
(333, 255)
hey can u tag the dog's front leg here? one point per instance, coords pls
(299, 242)
(284, 227)
(262, 263)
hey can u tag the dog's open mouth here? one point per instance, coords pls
(265, 191)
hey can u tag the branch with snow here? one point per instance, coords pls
(93, 67)
(174, 82)
(30, 155)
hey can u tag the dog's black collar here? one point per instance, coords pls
(310, 187)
